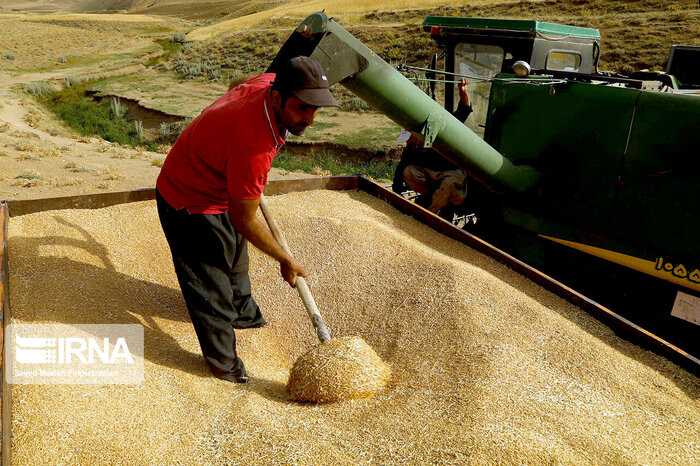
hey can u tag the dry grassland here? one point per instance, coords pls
(300, 9)
(635, 34)
(488, 367)
(163, 92)
(33, 167)
(38, 45)
(112, 17)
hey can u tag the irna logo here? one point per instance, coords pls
(74, 353)
(71, 350)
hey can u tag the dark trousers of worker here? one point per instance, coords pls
(211, 263)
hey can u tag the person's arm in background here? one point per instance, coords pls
(242, 213)
(464, 108)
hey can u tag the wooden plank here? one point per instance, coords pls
(627, 329)
(6, 403)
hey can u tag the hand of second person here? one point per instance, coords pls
(290, 270)
(463, 95)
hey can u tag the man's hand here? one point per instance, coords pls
(290, 270)
(463, 95)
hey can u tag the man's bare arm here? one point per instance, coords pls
(242, 213)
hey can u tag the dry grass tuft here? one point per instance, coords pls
(113, 173)
(163, 149)
(29, 179)
(24, 134)
(32, 118)
(27, 156)
(24, 146)
(49, 152)
(104, 185)
(344, 368)
(67, 182)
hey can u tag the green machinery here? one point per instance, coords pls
(590, 177)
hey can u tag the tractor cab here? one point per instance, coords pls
(483, 48)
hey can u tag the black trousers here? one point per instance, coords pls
(211, 263)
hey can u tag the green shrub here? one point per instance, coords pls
(206, 69)
(355, 103)
(89, 118)
(71, 81)
(29, 176)
(335, 164)
(39, 88)
(164, 130)
(178, 38)
(118, 110)
(9, 56)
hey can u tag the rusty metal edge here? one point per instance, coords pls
(333, 183)
(6, 403)
(81, 201)
(99, 200)
(616, 322)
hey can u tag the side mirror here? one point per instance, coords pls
(521, 68)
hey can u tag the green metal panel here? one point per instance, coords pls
(512, 25)
(620, 166)
(659, 195)
(575, 135)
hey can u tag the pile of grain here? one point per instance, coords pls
(344, 368)
(487, 366)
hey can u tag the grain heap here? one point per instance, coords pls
(339, 369)
(487, 366)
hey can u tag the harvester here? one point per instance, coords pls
(591, 178)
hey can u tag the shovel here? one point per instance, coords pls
(301, 285)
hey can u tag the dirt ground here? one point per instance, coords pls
(34, 163)
(39, 157)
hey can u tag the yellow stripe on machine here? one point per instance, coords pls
(674, 273)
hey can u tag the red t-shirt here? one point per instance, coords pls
(226, 151)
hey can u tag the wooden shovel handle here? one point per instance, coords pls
(302, 286)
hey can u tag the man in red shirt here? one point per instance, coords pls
(208, 193)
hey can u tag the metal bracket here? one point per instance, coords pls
(431, 128)
(338, 59)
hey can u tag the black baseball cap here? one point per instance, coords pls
(303, 77)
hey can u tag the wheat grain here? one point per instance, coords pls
(487, 367)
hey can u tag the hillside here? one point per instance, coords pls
(635, 34)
